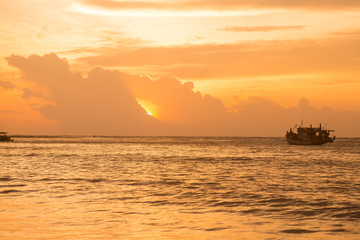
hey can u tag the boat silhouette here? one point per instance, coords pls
(309, 136)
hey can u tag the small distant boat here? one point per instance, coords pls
(309, 136)
(5, 138)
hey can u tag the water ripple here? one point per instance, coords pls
(179, 188)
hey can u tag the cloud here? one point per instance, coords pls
(223, 4)
(259, 28)
(105, 103)
(256, 58)
(11, 112)
(98, 104)
(348, 33)
(177, 101)
(6, 85)
(29, 93)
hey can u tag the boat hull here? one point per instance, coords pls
(309, 136)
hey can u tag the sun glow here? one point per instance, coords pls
(157, 13)
(150, 108)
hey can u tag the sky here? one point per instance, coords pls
(179, 67)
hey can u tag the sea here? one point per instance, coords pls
(86, 187)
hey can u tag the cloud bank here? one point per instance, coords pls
(105, 103)
(98, 104)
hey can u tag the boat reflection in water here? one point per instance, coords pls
(309, 136)
(4, 137)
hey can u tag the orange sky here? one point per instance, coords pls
(198, 67)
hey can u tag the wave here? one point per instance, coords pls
(90, 180)
(298, 231)
(10, 191)
(6, 179)
(12, 185)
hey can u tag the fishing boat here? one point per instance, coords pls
(309, 136)
(5, 138)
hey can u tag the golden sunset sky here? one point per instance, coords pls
(179, 67)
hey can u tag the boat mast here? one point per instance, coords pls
(302, 112)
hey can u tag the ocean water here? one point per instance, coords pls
(178, 188)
